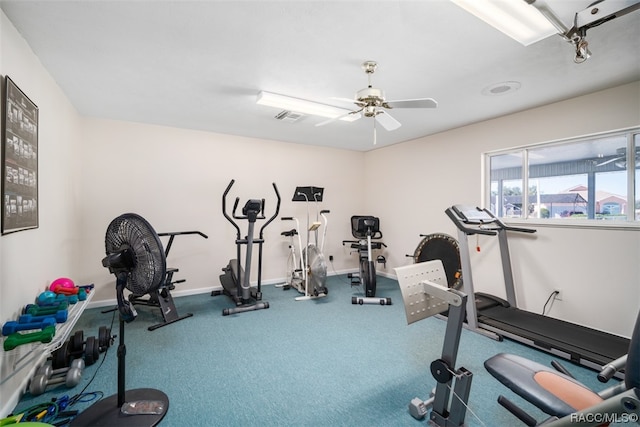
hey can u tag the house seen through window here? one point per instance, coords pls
(595, 178)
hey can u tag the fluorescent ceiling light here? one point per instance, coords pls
(517, 19)
(303, 106)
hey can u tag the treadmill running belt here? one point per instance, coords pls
(546, 332)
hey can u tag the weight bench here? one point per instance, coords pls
(161, 297)
(566, 400)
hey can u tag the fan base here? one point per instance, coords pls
(107, 413)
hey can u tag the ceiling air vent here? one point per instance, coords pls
(289, 116)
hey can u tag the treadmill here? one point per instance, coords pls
(497, 318)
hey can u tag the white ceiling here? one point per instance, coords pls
(200, 64)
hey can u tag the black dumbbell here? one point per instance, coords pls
(76, 348)
(40, 382)
(105, 339)
(89, 348)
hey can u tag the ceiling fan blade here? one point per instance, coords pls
(606, 162)
(412, 103)
(387, 122)
(356, 114)
(338, 98)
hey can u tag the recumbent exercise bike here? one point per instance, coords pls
(365, 228)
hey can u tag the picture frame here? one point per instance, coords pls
(19, 160)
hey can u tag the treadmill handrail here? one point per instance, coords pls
(490, 231)
(509, 227)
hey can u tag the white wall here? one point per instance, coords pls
(598, 270)
(175, 179)
(30, 260)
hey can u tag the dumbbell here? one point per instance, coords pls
(12, 326)
(58, 317)
(90, 348)
(40, 382)
(48, 371)
(36, 310)
(16, 339)
(76, 347)
(104, 338)
(51, 298)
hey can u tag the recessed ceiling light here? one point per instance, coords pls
(502, 88)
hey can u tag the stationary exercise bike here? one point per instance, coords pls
(236, 279)
(365, 228)
(295, 273)
(313, 265)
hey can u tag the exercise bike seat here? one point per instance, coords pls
(289, 233)
(553, 392)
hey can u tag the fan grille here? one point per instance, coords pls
(131, 231)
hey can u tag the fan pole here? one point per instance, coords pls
(122, 353)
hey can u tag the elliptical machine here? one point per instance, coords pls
(365, 228)
(236, 279)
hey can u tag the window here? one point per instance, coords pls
(590, 178)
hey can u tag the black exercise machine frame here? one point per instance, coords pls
(365, 228)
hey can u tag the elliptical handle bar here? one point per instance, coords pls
(224, 207)
(275, 214)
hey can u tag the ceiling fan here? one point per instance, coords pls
(621, 156)
(372, 103)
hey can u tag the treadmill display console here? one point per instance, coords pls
(472, 215)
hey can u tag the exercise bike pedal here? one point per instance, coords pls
(355, 279)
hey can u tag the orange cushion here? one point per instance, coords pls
(573, 394)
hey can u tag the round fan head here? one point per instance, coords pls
(445, 248)
(145, 261)
(317, 274)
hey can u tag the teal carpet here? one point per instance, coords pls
(323, 362)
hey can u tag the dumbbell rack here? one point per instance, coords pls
(17, 366)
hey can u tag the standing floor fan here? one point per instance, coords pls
(135, 256)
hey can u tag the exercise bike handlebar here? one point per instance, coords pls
(178, 233)
(173, 234)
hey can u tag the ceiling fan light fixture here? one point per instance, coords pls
(517, 19)
(301, 106)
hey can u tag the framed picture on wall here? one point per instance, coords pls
(19, 160)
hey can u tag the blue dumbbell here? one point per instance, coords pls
(59, 317)
(12, 326)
